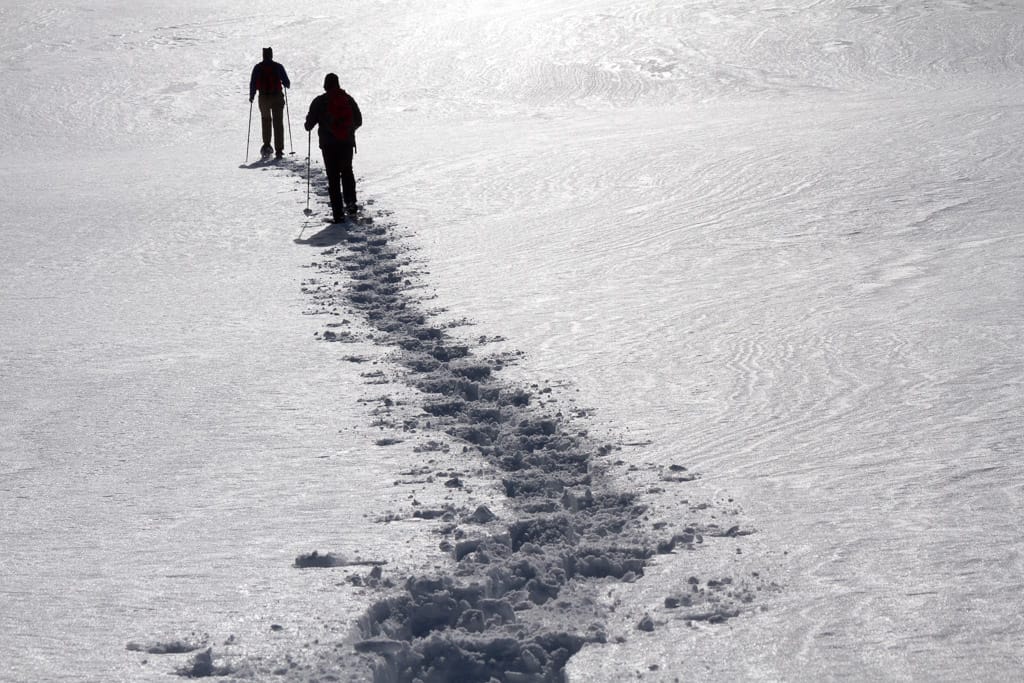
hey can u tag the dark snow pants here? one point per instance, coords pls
(272, 115)
(341, 180)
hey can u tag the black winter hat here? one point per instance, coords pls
(268, 53)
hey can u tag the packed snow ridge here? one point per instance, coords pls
(521, 595)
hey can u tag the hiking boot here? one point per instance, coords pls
(279, 155)
(352, 209)
(266, 150)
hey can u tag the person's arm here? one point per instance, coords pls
(252, 83)
(284, 76)
(314, 115)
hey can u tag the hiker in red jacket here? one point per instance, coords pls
(338, 117)
(270, 79)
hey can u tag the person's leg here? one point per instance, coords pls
(265, 118)
(332, 168)
(348, 177)
(277, 108)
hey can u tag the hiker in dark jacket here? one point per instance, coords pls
(338, 117)
(270, 79)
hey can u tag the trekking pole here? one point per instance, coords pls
(248, 134)
(288, 115)
(309, 153)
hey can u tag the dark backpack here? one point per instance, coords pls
(340, 118)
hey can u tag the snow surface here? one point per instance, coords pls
(778, 244)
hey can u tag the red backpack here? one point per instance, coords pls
(268, 81)
(340, 118)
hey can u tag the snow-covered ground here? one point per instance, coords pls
(780, 245)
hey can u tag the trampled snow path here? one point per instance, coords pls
(524, 592)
